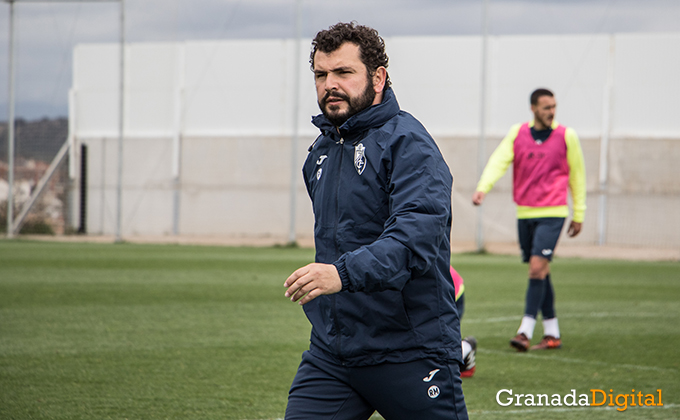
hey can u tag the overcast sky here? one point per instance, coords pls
(46, 32)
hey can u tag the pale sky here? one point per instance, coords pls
(46, 31)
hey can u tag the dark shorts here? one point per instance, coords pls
(539, 236)
(423, 389)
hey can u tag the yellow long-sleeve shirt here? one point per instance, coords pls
(504, 155)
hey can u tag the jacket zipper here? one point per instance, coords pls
(338, 345)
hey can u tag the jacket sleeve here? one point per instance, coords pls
(577, 175)
(500, 160)
(419, 221)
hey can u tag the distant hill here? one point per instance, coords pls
(39, 140)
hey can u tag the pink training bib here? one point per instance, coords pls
(540, 171)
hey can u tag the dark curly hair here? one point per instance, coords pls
(533, 99)
(371, 45)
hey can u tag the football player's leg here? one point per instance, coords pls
(551, 329)
(526, 229)
(548, 307)
(547, 237)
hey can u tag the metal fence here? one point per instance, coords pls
(37, 143)
(203, 155)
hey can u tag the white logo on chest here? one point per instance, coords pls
(359, 158)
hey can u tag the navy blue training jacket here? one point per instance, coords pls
(381, 193)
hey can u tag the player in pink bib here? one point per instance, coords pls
(547, 162)
(468, 344)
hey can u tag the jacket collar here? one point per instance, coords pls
(373, 116)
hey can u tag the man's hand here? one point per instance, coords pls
(478, 198)
(574, 228)
(311, 281)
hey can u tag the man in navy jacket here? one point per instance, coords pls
(385, 332)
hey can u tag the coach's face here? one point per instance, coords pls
(544, 112)
(343, 85)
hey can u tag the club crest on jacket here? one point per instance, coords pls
(359, 158)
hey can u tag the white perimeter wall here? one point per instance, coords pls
(208, 125)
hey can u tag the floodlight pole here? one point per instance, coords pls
(481, 146)
(121, 125)
(177, 140)
(604, 145)
(296, 130)
(10, 125)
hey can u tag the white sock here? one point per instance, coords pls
(527, 326)
(550, 327)
(466, 348)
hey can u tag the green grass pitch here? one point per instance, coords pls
(124, 331)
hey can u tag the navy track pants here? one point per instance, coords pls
(423, 389)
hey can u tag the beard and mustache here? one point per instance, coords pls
(355, 105)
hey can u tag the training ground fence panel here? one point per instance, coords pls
(36, 145)
(209, 129)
